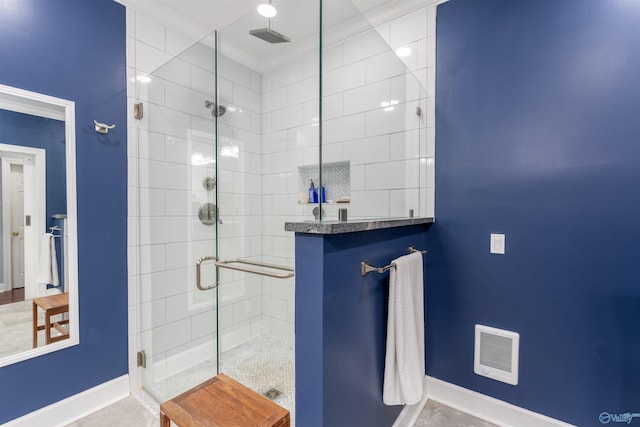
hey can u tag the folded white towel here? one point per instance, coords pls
(404, 360)
(48, 263)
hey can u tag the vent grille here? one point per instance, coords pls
(496, 354)
(495, 351)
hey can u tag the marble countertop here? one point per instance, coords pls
(352, 226)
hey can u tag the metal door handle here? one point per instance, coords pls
(198, 276)
(15, 233)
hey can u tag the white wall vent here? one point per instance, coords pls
(496, 354)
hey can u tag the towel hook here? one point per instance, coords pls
(103, 128)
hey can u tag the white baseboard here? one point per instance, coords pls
(473, 403)
(73, 408)
(410, 413)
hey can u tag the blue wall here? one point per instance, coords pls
(39, 132)
(538, 130)
(52, 47)
(341, 325)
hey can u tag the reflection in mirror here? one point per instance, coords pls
(38, 264)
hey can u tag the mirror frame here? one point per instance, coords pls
(24, 101)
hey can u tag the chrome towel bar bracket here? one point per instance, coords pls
(366, 268)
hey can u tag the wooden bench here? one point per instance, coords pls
(222, 402)
(52, 305)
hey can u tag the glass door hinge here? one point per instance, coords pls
(138, 111)
(142, 359)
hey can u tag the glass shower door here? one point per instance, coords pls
(178, 222)
(270, 91)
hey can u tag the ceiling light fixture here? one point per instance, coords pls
(403, 52)
(267, 10)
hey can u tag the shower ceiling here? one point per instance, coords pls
(297, 19)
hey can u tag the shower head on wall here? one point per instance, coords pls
(216, 110)
(269, 35)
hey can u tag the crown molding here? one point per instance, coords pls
(168, 16)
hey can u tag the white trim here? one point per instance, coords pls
(478, 405)
(411, 413)
(6, 240)
(31, 108)
(71, 227)
(33, 103)
(390, 11)
(77, 406)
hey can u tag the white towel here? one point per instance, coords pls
(404, 361)
(48, 263)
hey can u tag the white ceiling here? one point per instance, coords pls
(297, 19)
(218, 14)
(211, 14)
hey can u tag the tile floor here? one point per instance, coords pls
(16, 327)
(129, 412)
(135, 411)
(436, 414)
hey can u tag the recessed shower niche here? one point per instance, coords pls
(336, 180)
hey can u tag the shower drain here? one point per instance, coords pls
(272, 393)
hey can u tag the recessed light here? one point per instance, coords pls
(267, 10)
(403, 52)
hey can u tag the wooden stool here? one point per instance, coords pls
(52, 305)
(222, 402)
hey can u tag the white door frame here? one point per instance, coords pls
(34, 168)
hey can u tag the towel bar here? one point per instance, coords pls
(227, 264)
(366, 268)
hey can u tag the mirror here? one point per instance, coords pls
(38, 255)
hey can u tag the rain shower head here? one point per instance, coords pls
(269, 35)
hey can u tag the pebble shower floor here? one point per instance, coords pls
(262, 364)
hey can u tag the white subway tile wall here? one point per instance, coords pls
(269, 130)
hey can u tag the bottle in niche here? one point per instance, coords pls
(322, 194)
(313, 192)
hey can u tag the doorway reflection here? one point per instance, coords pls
(32, 244)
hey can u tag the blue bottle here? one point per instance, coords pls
(322, 194)
(313, 193)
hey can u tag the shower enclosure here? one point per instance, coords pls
(234, 129)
